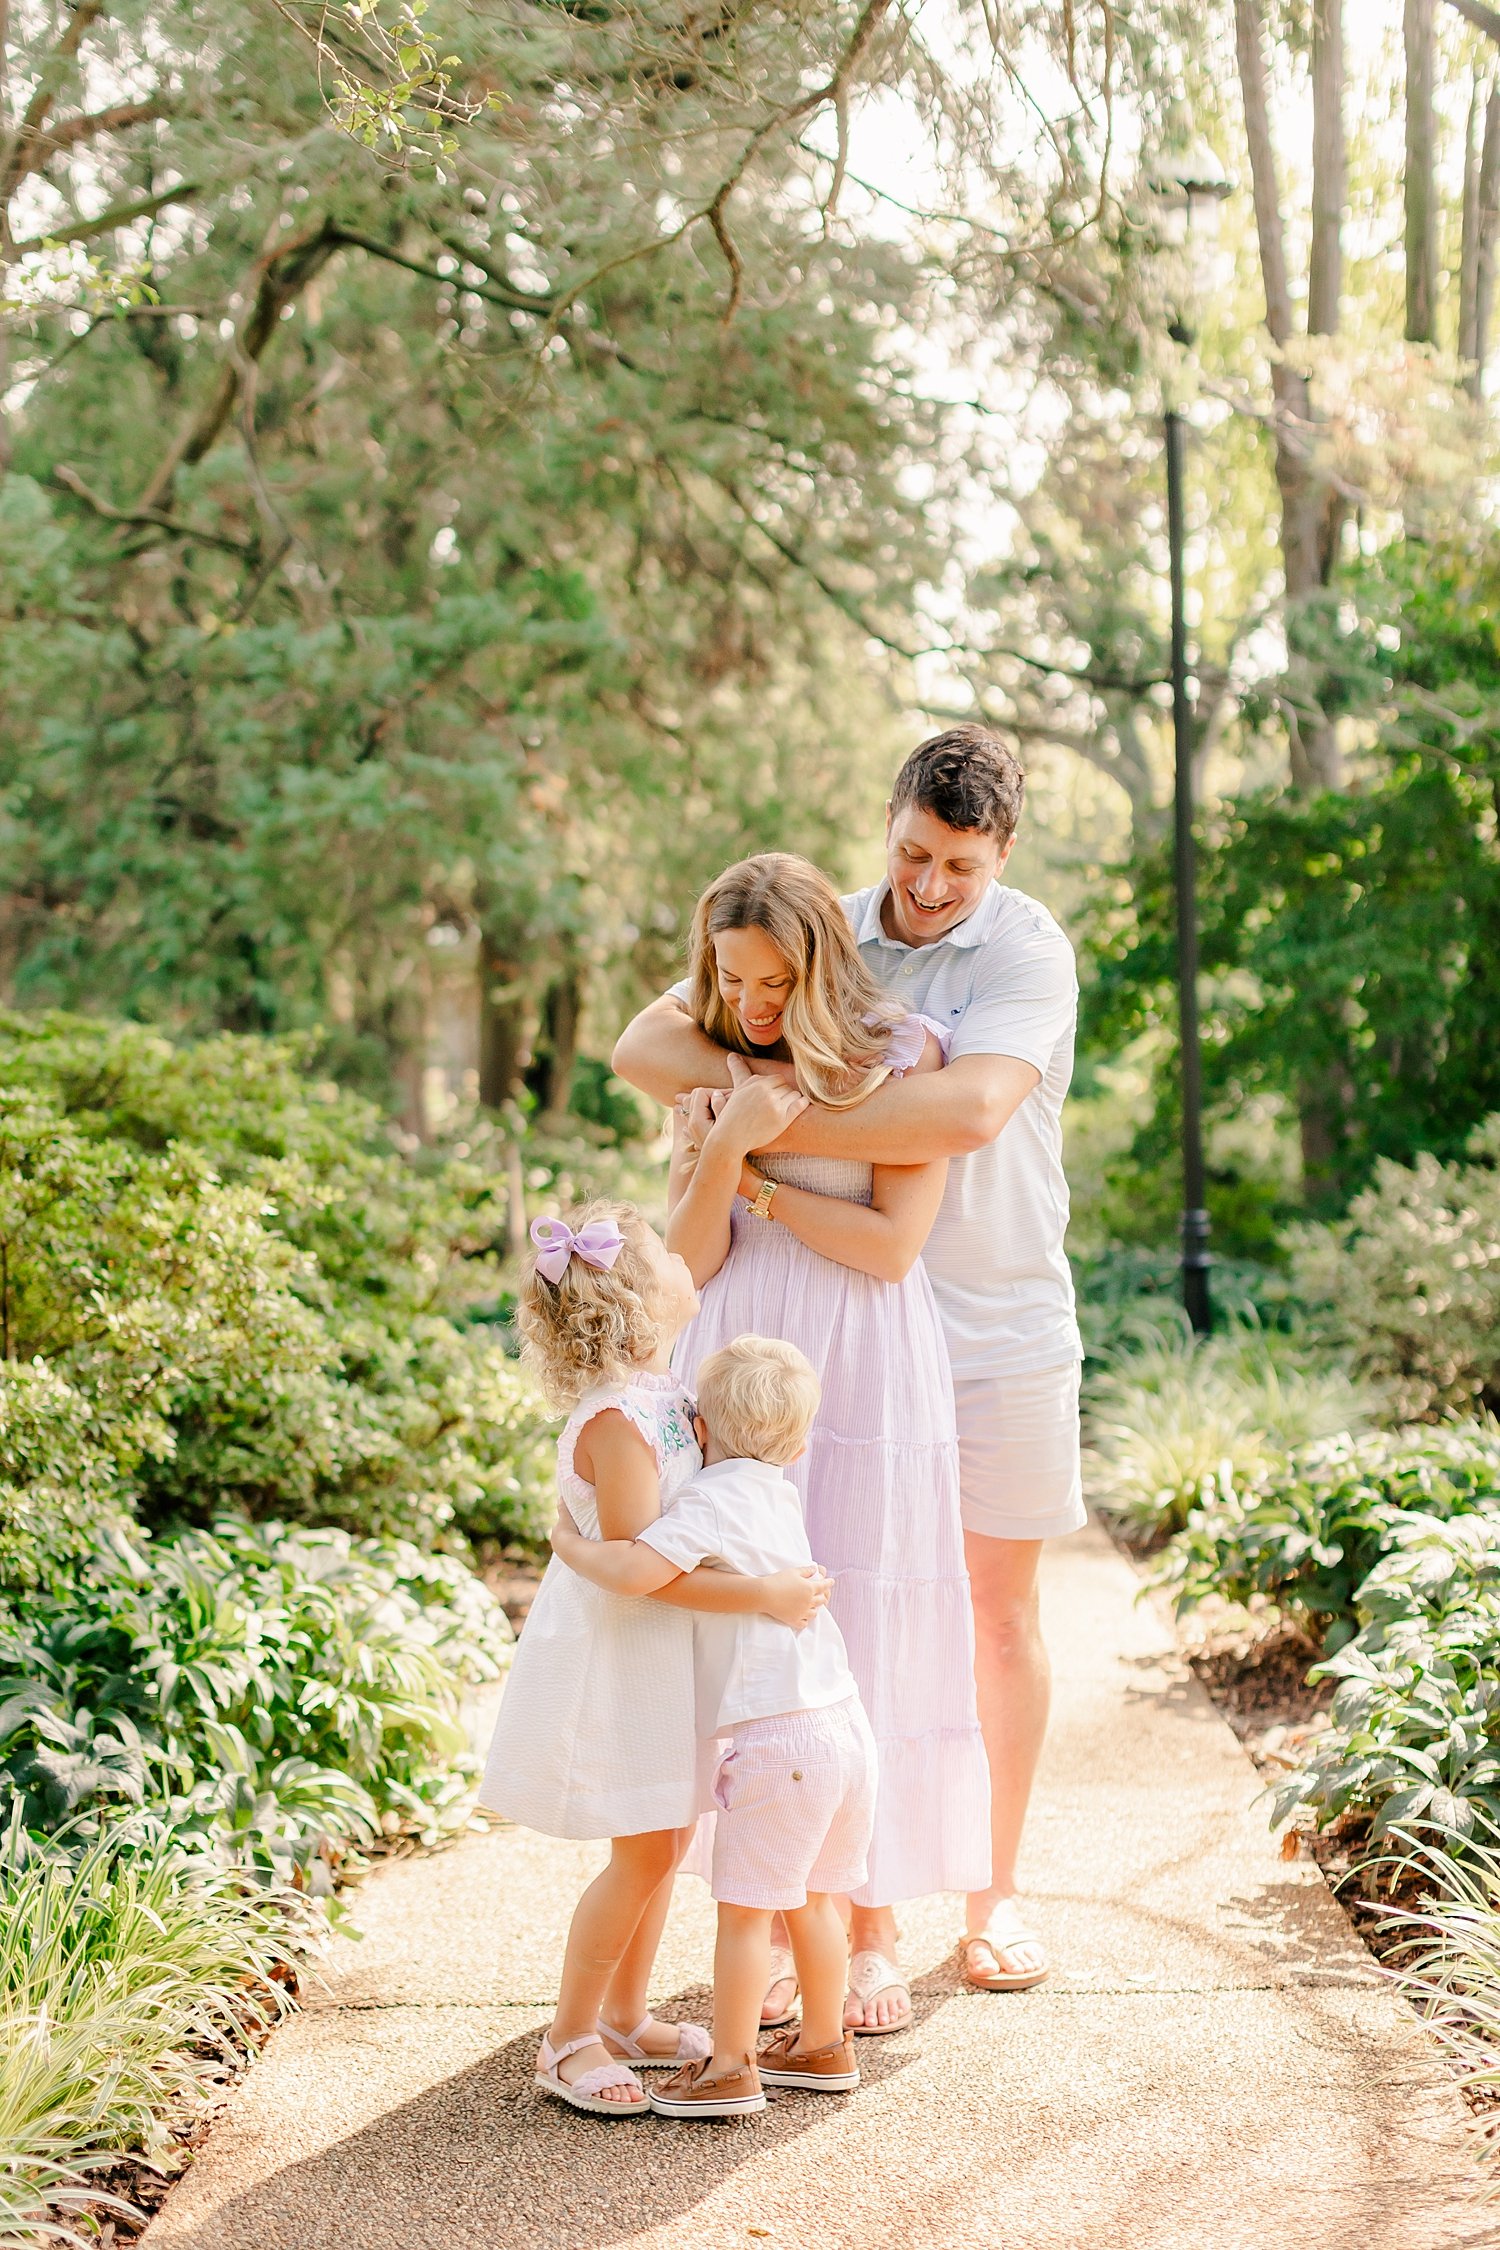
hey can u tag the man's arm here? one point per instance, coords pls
(912, 1120)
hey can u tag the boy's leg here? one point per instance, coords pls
(604, 1921)
(742, 1957)
(820, 1949)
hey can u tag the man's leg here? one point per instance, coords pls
(1014, 1683)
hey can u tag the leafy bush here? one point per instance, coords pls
(268, 1694)
(1414, 1738)
(1307, 1534)
(1412, 1278)
(125, 1980)
(1176, 1418)
(1448, 1965)
(222, 1285)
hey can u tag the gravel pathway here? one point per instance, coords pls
(1215, 2061)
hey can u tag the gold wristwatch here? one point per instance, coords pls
(761, 1207)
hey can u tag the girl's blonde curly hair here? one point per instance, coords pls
(593, 1328)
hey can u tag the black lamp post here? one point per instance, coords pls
(1189, 191)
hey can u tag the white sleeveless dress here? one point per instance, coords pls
(597, 1734)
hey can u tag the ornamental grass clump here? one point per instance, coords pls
(130, 1977)
(1175, 1419)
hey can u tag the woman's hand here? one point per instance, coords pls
(794, 1597)
(697, 1112)
(758, 1110)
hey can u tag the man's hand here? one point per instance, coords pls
(794, 1597)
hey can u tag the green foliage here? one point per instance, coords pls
(1448, 1962)
(270, 1694)
(1351, 941)
(1414, 1738)
(126, 1981)
(1175, 1419)
(1411, 1279)
(221, 1285)
(1307, 1534)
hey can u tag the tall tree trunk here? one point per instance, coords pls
(1487, 228)
(1311, 513)
(503, 1046)
(1325, 273)
(1420, 192)
(1468, 257)
(558, 1042)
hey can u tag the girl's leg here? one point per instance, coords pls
(820, 1947)
(625, 2001)
(742, 1959)
(604, 1921)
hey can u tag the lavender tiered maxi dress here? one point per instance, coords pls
(879, 1484)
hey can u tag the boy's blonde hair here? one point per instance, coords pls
(758, 1397)
(593, 1327)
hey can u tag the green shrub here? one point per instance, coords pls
(1307, 1534)
(1175, 1418)
(268, 1694)
(1414, 1738)
(1411, 1279)
(127, 1977)
(241, 1294)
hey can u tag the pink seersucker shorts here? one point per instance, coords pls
(796, 1799)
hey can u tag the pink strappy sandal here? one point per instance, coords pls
(693, 2045)
(588, 2091)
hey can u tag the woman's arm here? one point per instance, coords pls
(883, 1238)
(701, 1191)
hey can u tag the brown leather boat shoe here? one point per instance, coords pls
(822, 2070)
(690, 2092)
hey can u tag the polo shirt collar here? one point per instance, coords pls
(741, 1465)
(974, 930)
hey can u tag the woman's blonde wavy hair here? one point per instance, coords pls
(836, 1024)
(592, 1327)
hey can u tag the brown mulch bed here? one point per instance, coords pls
(512, 1574)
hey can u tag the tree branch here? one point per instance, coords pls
(1482, 18)
(155, 518)
(36, 149)
(119, 215)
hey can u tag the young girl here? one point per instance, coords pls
(596, 1735)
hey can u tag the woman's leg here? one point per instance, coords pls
(626, 2001)
(872, 1929)
(820, 1947)
(605, 1920)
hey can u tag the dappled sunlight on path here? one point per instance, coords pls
(1215, 2060)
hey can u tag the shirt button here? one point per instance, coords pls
(796, 1773)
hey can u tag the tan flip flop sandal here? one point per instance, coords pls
(995, 1941)
(870, 1974)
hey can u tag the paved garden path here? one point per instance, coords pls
(1215, 2062)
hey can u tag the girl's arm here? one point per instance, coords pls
(616, 1460)
(701, 1192)
(791, 1597)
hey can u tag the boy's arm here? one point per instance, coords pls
(912, 1120)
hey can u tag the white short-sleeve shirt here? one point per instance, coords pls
(1004, 982)
(747, 1516)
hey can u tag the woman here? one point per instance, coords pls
(827, 1255)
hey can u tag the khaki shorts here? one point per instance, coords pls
(1020, 1476)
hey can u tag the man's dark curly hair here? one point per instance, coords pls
(966, 778)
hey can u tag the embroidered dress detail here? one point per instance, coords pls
(596, 1733)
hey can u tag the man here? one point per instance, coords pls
(992, 967)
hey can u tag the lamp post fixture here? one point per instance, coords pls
(1188, 189)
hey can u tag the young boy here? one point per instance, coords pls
(796, 1790)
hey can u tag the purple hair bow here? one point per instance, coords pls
(597, 1244)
